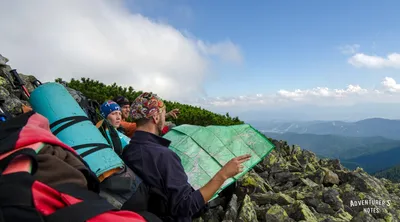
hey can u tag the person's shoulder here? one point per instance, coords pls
(166, 151)
(127, 124)
(169, 156)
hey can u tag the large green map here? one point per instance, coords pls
(205, 150)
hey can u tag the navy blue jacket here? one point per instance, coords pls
(148, 156)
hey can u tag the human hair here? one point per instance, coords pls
(142, 121)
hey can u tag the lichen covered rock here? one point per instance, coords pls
(276, 213)
(247, 212)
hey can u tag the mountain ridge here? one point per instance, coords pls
(387, 128)
(337, 146)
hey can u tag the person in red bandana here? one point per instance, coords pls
(149, 156)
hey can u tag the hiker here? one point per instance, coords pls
(111, 111)
(131, 127)
(125, 110)
(148, 156)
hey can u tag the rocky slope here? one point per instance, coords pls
(292, 184)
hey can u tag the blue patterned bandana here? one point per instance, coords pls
(109, 107)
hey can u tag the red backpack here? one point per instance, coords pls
(24, 198)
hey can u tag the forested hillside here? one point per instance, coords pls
(392, 174)
(188, 114)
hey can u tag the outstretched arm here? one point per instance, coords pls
(183, 200)
(233, 167)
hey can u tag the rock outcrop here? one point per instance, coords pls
(292, 184)
(12, 97)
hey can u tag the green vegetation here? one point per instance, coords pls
(101, 92)
(392, 174)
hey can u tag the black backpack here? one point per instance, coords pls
(89, 106)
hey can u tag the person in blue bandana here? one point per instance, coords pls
(111, 112)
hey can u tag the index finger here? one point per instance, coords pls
(244, 157)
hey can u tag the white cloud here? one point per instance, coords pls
(102, 40)
(227, 50)
(390, 85)
(388, 91)
(369, 61)
(349, 49)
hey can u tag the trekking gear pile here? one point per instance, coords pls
(27, 196)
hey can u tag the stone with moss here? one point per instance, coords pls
(272, 198)
(343, 215)
(363, 217)
(309, 182)
(255, 183)
(294, 161)
(28, 80)
(347, 188)
(11, 102)
(295, 194)
(318, 176)
(310, 167)
(232, 209)
(389, 218)
(270, 160)
(260, 211)
(361, 195)
(330, 177)
(276, 213)
(198, 220)
(324, 208)
(247, 212)
(332, 197)
(5, 84)
(300, 211)
(296, 151)
(3, 60)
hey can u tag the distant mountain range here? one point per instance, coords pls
(364, 128)
(373, 144)
(340, 147)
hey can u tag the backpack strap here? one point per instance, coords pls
(91, 205)
(115, 141)
(92, 108)
(69, 121)
(82, 211)
(16, 198)
(25, 151)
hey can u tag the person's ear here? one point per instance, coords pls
(156, 119)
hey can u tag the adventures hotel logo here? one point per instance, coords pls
(370, 206)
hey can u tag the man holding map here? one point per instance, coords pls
(148, 155)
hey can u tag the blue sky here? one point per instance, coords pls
(286, 44)
(264, 59)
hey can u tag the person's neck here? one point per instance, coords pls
(149, 129)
